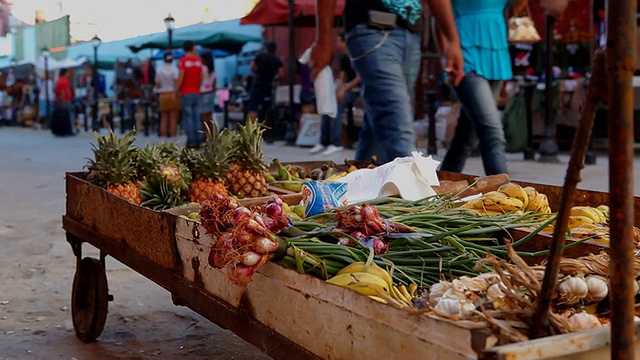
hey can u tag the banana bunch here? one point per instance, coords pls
(294, 212)
(595, 232)
(373, 281)
(510, 197)
(588, 221)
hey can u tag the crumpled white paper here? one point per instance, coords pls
(324, 88)
(410, 177)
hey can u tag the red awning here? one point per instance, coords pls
(276, 12)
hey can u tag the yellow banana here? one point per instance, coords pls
(473, 204)
(601, 217)
(514, 190)
(413, 287)
(364, 283)
(502, 204)
(532, 194)
(604, 209)
(397, 294)
(298, 210)
(352, 168)
(486, 212)
(269, 177)
(362, 267)
(405, 293)
(295, 186)
(495, 194)
(337, 176)
(545, 209)
(585, 211)
(283, 174)
(378, 299)
(576, 221)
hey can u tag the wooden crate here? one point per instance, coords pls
(338, 323)
(149, 233)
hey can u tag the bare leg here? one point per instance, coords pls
(164, 119)
(173, 123)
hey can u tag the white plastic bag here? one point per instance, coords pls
(325, 89)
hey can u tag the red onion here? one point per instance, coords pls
(241, 274)
(265, 246)
(244, 237)
(283, 222)
(358, 235)
(269, 223)
(274, 210)
(251, 258)
(379, 246)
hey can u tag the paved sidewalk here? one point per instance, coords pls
(594, 177)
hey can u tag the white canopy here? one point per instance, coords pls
(54, 64)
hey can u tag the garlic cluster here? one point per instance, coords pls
(584, 321)
(572, 289)
(598, 288)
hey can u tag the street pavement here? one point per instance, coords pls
(37, 265)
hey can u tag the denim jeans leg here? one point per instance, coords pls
(196, 119)
(384, 60)
(337, 124)
(478, 98)
(188, 113)
(325, 130)
(460, 146)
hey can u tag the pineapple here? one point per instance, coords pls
(159, 193)
(113, 166)
(210, 167)
(246, 177)
(165, 180)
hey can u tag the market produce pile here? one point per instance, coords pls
(445, 256)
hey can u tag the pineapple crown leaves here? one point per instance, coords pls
(114, 159)
(214, 161)
(158, 193)
(249, 153)
(151, 157)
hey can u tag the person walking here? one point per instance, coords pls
(207, 89)
(188, 88)
(266, 66)
(483, 35)
(346, 94)
(45, 103)
(384, 45)
(165, 79)
(65, 123)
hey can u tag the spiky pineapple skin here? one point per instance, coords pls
(128, 191)
(205, 189)
(246, 183)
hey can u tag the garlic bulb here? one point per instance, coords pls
(495, 292)
(449, 306)
(572, 290)
(467, 308)
(598, 288)
(437, 290)
(472, 284)
(584, 321)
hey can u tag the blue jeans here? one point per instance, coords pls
(480, 117)
(388, 64)
(191, 118)
(331, 128)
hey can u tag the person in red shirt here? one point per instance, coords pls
(63, 95)
(188, 88)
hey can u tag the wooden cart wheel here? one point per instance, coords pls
(89, 299)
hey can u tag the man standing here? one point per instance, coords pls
(64, 122)
(347, 90)
(384, 46)
(188, 87)
(265, 67)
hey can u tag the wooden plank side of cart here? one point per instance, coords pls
(286, 314)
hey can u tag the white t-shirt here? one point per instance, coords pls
(208, 80)
(166, 76)
(42, 95)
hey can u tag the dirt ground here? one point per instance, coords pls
(37, 267)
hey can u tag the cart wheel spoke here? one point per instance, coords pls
(89, 299)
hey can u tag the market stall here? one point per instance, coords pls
(365, 268)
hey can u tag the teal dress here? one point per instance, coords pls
(483, 36)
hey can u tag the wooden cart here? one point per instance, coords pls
(286, 314)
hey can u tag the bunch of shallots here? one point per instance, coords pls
(364, 224)
(244, 239)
